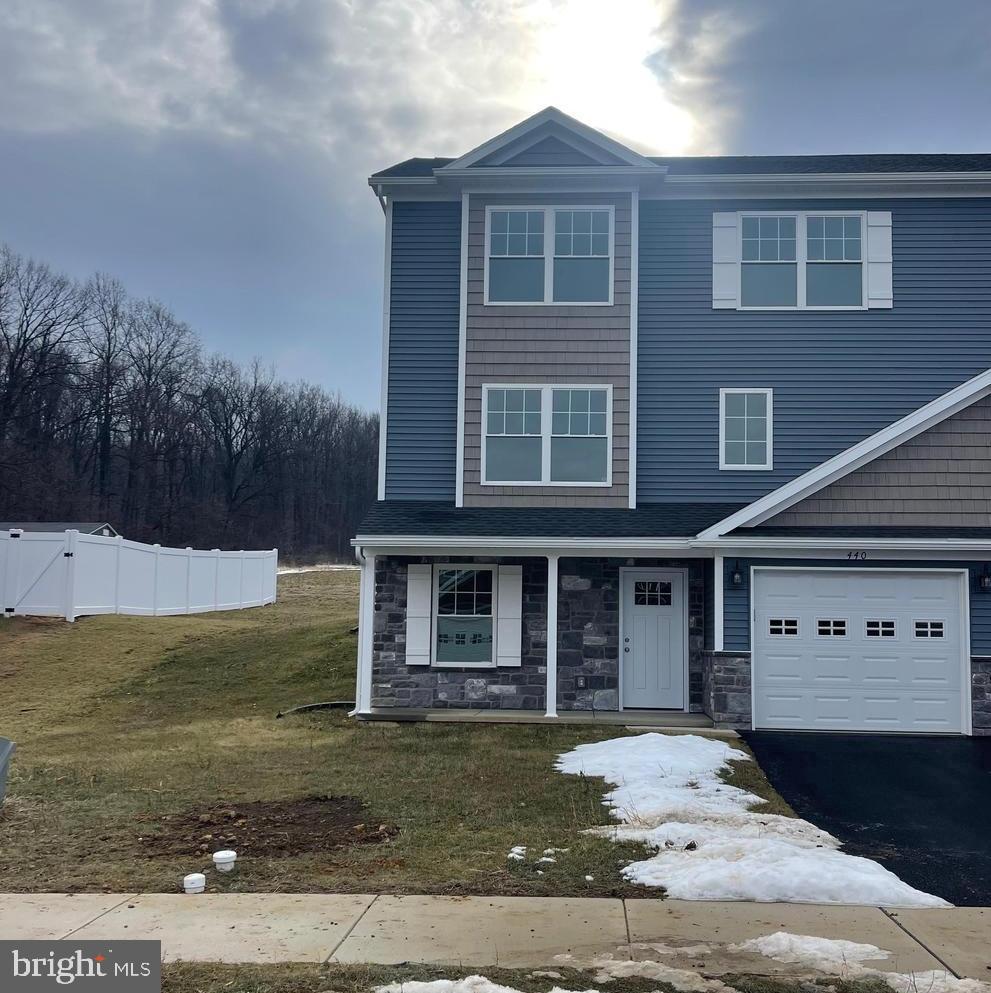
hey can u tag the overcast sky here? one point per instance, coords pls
(213, 153)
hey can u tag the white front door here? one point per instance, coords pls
(653, 642)
(859, 650)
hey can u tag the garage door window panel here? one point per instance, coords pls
(880, 629)
(928, 629)
(782, 627)
(831, 627)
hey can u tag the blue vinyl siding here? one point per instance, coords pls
(736, 599)
(421, 439)
(837, 376)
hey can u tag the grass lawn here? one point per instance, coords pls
(184, 977)
(146, 743)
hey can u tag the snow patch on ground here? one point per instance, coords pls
(709, 845)
(470, 984)
(517, 853)
(607, 969)
(825, 954)
(294, 570)
(837, 957)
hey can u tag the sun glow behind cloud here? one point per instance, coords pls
(589, 58)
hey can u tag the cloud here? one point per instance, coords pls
(214, 152)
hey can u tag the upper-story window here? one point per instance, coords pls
(745, 429)
(547, 435)
(803, 260)
(547, 255)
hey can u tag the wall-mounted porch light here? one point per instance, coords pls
(736, 577)
(985, 579)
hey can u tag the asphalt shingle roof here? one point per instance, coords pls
(659, 520)
(736, 165)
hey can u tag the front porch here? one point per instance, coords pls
(624, 641)
(658, 720)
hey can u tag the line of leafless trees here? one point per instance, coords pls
(109, 410)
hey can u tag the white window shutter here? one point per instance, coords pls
(419, 609)
(509, 619)
(879, 279)
(725, 260)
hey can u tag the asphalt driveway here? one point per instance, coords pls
(920, 806)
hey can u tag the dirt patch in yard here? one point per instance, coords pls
(269, 828)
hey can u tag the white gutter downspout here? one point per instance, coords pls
(552, 594)
(366, 615)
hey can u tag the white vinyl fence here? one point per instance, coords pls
(68, 574)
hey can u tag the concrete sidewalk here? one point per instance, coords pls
(520, 932)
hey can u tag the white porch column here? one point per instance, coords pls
(552, 594)
(717, 603)
(366, 624)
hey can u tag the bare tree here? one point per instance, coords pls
(108, 409)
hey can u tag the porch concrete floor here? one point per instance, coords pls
(627, 718)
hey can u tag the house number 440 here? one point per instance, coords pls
(856, 555)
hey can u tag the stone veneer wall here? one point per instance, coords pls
(588, 630)
(726, 688)
(394, 684)
(980, 681)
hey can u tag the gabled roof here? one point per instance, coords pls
(756, 165)
(854, 457)
(551, 120)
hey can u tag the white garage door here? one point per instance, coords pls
(858, 650)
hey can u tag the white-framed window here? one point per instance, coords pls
(746, 428)
(546, 435)
(464, 608)
(549, 255)
(802, 260)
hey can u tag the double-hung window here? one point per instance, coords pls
(548, 255)
(745, 429)
(802, 260)
(463, 611)
(546, 435)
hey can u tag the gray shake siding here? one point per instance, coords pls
(940, 478)
(547, 344)
(424, 307)
(837, 376)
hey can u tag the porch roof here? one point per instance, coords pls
(444, 520)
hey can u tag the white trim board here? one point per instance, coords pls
(459, 492)
(854, 457)
(631, 464)
(386, 319)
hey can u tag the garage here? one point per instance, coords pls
(852, 649)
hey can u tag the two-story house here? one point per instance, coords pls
(697, 435)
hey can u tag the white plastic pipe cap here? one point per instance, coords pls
(224, 860)
(195, 882)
